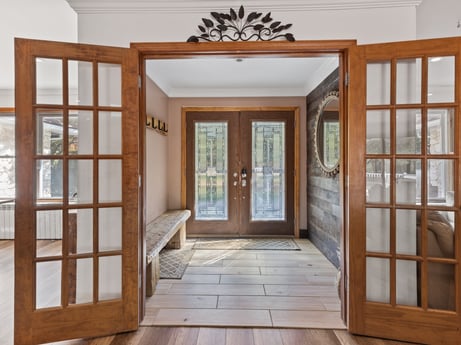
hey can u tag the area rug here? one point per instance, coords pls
(246, 244)
(173, 262)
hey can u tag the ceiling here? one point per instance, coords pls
(247, 77)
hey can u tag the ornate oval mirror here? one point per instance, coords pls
(327, 134)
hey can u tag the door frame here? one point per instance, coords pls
(296, 112)
(280, 49)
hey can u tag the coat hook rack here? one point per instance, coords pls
(156, 124)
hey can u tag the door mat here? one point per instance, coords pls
(246, 244)
(173, 262)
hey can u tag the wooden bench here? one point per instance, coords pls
(166, 231)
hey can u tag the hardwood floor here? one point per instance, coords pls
(278, 298)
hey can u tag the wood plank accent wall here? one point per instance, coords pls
(323, 192)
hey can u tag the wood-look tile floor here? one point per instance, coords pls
(279, 297)
(250, 288)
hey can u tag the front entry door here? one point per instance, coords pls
(405, 191)
(240, 172)
(77, 192)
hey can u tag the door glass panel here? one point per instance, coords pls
(408, 131)
(80, 82)
(440, 131)
(378, 229)
(440, 234)
(80, 230)
(407, 284)
(81, 132)
(268, 171)
(80, 181)
(48, 284)
(407, 223)
(378, 131)
(441, 286)
(378, 180)
(211, 187)
(440, 182)
(110, 228)
(80, 281)
(110, 84)
(378, 83)
(408, 181)
(49, 181)
(110, 277)
(378, 280)
(7, 135)
(7, 179)
(49, 229)
(49, 134)
(110, 132)
(441, 79)
(110, 180)
(49, 88)
(408, 81)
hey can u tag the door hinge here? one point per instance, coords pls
(139, 81)
(346, 79)
(139, 181)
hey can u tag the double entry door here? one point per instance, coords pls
(240, 172)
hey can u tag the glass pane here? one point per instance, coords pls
(80, 83)
(48, 228)
(378, 131)
(408, 131)
(407, 284)
(80, 223)
(408, 181)
(378, 280)
(49, 81)
(81, 133)
(110, 84)
(441, 286)
(7, 179)
(408, 81)
(80, 281)
(49, 134)
(407, 224)
(440, 181)
(378, 83)
(268, 171)
(110, 180)
(440, 234)
(110, 229)
(110, 277)
(48, 177)
(110, 132)
(80, 181)
(378, 229)
(440, 131)
(211, 190)
(7, 219)
(441, 79)
(378, 180)
(48, 284)
(7, 128)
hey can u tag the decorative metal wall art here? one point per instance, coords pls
(234, 26)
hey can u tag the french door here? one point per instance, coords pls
(240, 172)
(77, 138)
(404, 191)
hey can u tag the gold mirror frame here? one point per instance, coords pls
(319, 139)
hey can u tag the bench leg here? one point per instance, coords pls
(152, 275)
(179, 239)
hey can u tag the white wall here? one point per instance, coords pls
(44, 19)
(156, 155)
(438, 18)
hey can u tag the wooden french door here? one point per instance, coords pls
(77, 138)
(240, 172)
(404, 191)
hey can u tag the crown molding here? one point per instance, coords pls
(202, 6)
